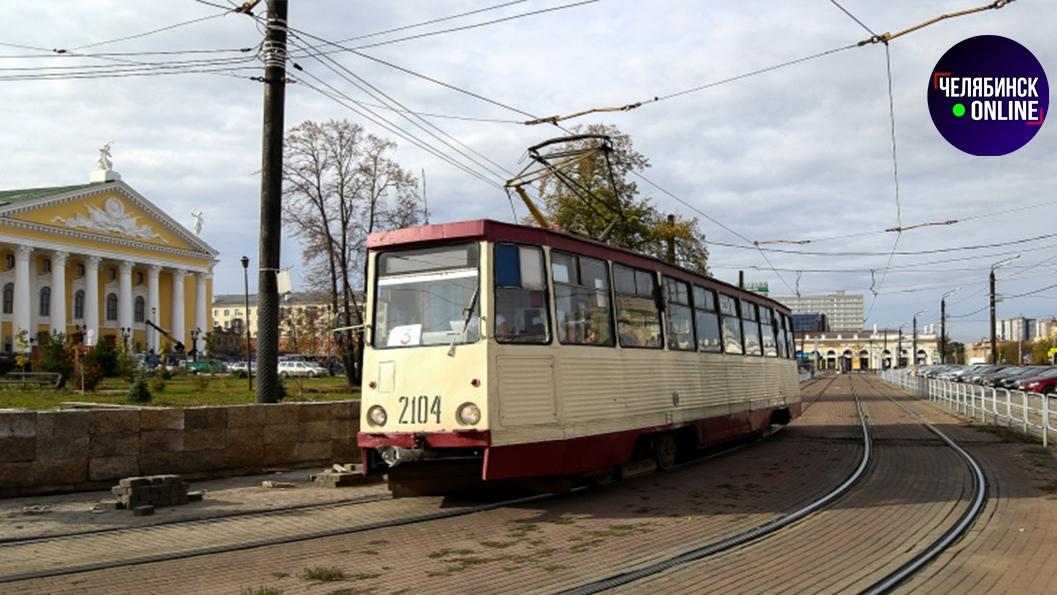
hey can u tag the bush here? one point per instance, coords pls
(164, 373)
(138, 392)
(104, 358)
(156, 384)
(91, 367)
(126, 365)
(55, 356)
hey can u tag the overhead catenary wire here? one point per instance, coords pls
(432, 21)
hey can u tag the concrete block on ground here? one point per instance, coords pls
(153, 441)
(204, 439)
(246, 416)
(144, 510)
(18, 424)
(200, 418)
(161, 419)
(113, 422)
(195, 496)
(102, 468)
(278, 485)
(15, 449)
(16, 475)
(108, 505)
(60, 471)
(113, 445)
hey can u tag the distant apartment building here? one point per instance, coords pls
(1016, 329)
(1045, 328)
(843, 311)
(810, 322)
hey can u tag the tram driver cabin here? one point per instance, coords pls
(521, 352)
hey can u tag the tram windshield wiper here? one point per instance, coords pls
(467, 313)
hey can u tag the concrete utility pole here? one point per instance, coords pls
(943, 323)
(271, 203)
(671, 240)
(994, 342)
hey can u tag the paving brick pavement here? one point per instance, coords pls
(542, 547)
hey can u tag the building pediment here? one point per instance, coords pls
(111, 212)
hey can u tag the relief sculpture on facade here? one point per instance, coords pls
(112, 218)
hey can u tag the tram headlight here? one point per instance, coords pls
(468, 414)
(376, 415)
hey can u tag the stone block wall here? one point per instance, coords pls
(72, 450)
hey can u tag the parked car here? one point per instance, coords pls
(1010, 381)
(976, 376)
(240, 366)
(1045, 383)
(212, 366)
(289, 369)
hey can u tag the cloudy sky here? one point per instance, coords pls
(799, 153)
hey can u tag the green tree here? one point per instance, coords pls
(642, 226)
(55, 355)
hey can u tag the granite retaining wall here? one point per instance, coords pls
(43, 452)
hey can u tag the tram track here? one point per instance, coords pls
(751, 535)
(219, 524)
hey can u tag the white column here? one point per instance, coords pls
(178, 329)
(153, 308)
(200, 311)
(22, 297)
(58, 292)
(124, 298)
(91, 298)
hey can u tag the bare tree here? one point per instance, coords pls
(341, 186)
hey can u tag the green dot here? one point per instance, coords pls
(958, 109)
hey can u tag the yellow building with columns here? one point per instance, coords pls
(97, 261)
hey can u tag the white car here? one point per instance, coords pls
(300, 369)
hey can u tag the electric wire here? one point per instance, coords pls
(145, 33)
(432, 21)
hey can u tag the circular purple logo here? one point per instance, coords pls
(988, 95)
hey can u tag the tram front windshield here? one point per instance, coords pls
(427, 297)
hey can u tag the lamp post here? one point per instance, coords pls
(246, 280)
(994, 342)
(899, 347)
(126, 332)
(914, 342)
(943, 323)
(195, 334)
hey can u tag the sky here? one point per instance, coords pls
(802, 152)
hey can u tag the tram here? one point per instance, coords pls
(501, 352)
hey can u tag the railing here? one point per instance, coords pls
(1033, 414)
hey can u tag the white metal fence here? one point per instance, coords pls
(1030, 413)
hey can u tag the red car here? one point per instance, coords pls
(1045, 383)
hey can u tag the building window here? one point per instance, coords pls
(9, 298)
(45, 301)
(581, 296)
(638, 317)
(139, 309)
(767, 328)
(751, 326)
(45, 265)
(80, 270)
(731, 325)
(706, 321)
(680, 316)
(520, 295)
(10, 258)
(227, 312)
(111, 274)
(111, 306)
(139, 277)
(78, 304)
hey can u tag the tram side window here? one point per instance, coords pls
(731, 324)
(581, 300)
(751, 324)
(779, 331)
(520, 295)
(790, 336)
(770, 344)
(706, 320)
(638, 317)
(680, 315)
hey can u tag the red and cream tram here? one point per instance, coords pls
(507, 351)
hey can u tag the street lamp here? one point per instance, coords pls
(246, 279)
(899, 347)
(195, 334)
(914, 343)
(126, 332)
(994, 346)
(943, 323)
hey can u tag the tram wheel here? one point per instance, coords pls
(665, 451)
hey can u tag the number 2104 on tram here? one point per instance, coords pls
(502, 353)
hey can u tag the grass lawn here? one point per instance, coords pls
(185, 391)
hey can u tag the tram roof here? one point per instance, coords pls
(498, 231)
